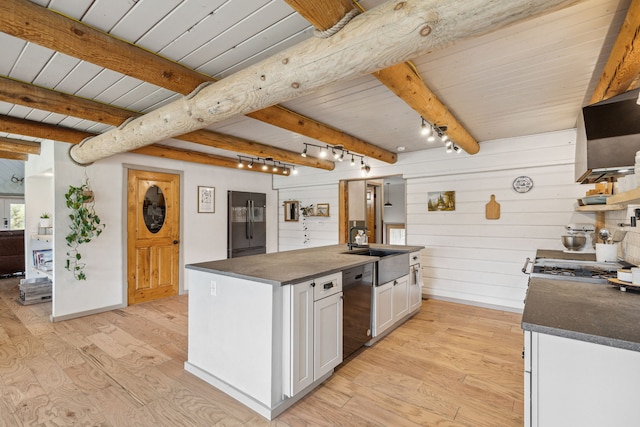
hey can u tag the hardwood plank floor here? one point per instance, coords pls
(450, 365)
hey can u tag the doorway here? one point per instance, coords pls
(361, 204)
(153, 235)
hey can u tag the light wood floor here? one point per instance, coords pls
(451, 365)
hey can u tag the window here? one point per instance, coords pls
(16, 215)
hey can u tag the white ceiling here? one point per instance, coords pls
(531, 77)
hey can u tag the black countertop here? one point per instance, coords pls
(595, 313)
(285, 268)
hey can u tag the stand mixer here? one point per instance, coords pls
(586, 230)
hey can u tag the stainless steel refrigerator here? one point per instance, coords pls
(247, 234)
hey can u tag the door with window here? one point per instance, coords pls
(12, 214)
(153, 235)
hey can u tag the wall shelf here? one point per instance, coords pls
(601, 208)
(627, 198)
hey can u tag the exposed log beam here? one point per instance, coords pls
(43, 130)
(622, 70)
(18, 126)
(34, 23)
(18, 146)
(391, 33)
(400, 78)
(13, 156)
(17, 92)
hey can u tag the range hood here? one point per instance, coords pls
(608, 138)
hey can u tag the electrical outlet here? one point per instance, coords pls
(214, 288)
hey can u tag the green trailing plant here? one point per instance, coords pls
(85, 226)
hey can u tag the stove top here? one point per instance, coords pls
(575, 270)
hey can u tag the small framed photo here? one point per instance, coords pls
(322, 209)
(206, 199)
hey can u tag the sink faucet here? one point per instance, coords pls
(351, 245)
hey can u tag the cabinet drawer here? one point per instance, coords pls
(414, 258)
(327, 285)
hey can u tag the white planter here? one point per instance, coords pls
(45, 222)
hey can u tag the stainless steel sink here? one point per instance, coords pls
(391, 265)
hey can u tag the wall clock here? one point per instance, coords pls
(522, 184)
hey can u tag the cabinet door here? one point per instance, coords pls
(301, 329)
(327, 334)
(400, 297)
(383, 312)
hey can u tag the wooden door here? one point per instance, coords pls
(372, 206)
(153, 227)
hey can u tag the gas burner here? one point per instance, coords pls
(581, 271)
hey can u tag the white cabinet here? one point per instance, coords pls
(313, 331)
(578, 383)
(327, 335)
(383, 308)
(400, 298)
(300, 337)
(391, 304)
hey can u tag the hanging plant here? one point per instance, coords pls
(85, 225)
(306, 210)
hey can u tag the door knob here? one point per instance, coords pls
(175, 242)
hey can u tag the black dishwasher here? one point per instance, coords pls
(357, 288)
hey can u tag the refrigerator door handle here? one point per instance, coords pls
(247, 224)
(251, 220)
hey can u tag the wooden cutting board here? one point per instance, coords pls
(492, 209)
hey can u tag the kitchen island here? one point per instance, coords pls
(267, 329)
(582, 352)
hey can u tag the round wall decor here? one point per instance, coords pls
(522, 184)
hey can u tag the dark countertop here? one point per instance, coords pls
(285, 268)
(589, 312)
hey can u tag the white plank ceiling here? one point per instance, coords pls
(529, 78)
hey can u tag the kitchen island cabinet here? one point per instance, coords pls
(260, 332)
(582, 352)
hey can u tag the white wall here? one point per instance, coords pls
(320, 231)
(203, 236)
(467, 257)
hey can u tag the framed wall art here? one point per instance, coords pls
(206, 199)
(442, 201)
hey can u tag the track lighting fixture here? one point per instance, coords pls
(436, 131)
(337, 151)
(267, 163)
(426, 127)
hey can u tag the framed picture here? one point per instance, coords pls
(206, 199)
(442, 201)
(322, 209)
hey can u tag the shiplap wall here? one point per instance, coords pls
(467, 257)
(320, 231)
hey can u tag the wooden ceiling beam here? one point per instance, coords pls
(17, 92)
(402, 30)
(401, 78)
(18, 126)
(19, 146)
(622, 70)
(13, 156)
(37, 24)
